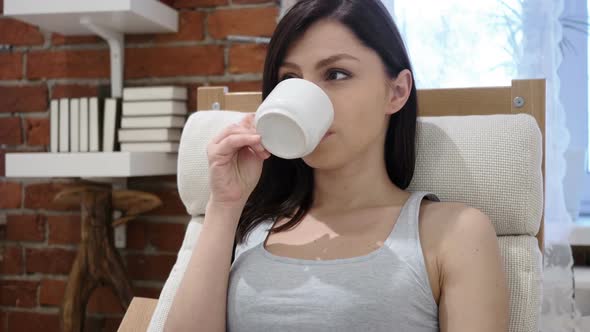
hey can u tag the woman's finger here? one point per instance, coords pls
(231, 144)
(248, 120)
(262, 154)
(259, 148)
(235, 128)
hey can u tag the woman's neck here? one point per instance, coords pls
(363, 183)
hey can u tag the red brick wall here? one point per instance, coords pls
(38, 237)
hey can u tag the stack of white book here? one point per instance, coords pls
(153, 118)
(83, 124)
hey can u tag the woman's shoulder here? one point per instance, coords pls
(445, 211)
(450, 213)
(443, 224)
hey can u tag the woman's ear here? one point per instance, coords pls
(399, 91)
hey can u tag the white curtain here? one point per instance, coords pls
(460, 43)
(455, 43)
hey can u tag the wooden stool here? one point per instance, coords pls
(98, 263)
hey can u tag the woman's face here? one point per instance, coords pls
(354, 78)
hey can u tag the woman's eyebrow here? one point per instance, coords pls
(325, 62)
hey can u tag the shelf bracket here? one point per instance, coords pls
(116, 42)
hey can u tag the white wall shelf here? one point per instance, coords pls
(109, 19)
(90, 165)
(125, 16)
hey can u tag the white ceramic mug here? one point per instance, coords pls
(294, 118)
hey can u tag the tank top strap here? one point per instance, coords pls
(254, 238)
(405, 235)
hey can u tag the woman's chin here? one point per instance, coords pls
(323, 159)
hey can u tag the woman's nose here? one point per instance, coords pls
(311, 77)
(314, 80)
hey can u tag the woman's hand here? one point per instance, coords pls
(235, 158)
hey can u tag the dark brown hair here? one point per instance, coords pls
(285, 189)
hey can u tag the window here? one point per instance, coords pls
(460, 43)
(457, 43)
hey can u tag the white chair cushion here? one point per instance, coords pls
(523, 265)
(490, 162)
(193, 166)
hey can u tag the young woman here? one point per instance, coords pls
(333, 241)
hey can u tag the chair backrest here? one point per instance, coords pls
(480, 146)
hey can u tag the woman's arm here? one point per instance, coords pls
(474, 294)
(235, 157)
(200, 301)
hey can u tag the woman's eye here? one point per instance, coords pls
(337, 75)
(287, 76)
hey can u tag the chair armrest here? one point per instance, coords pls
(138, 315)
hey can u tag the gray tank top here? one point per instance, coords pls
(385, 290)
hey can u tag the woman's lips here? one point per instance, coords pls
(329, 133)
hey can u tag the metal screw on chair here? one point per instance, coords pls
(216, 106)
(518, 102)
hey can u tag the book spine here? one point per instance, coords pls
(83, 124)
(94, 127)
(74, 125)
(64, 125)
(153, 122)
(109, 124)
(154, 108)
(155, 93)
(150, 147)
(54, 126)
(149, 135)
